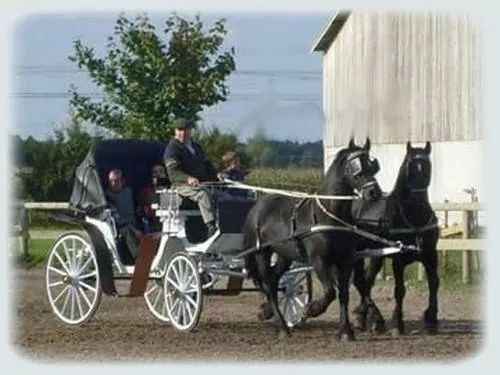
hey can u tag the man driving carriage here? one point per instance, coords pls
(188, 166)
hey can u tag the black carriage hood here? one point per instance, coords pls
(134, 157)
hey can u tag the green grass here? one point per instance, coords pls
(301, 179)
(37, 254)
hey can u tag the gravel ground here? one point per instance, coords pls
(123, 329)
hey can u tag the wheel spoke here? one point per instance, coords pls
(151, 290)
(66, 253)
(183, 304)
(300, 303)
(164, 309)
(51, 285)
(74, 253)
(190, 300)
(78, 302)
(62, 263)
(72, 304)
(294, 307)
(82, 268)
(299, 280)
(58, 271)
(86, 276)
(194, 289)
(190, 312)
(176, 286)
(60, 294)
(176, 309)
(176, 274)
(87, 286)
(66, 300)
(157, 298)
(80, 289)
(189, 280)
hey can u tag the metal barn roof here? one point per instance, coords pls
(331, 31)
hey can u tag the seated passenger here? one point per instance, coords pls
(232, 167)
(120, 196)
(148, 196)
(187, 167)
(232, 171)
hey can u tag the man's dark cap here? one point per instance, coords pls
(182, 123)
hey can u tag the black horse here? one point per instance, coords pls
(413, 222)
(330, 253)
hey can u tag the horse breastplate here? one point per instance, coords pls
(374, 216)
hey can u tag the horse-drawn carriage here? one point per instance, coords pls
(276, 241)
(176, 267)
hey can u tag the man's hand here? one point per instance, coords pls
(193, 181)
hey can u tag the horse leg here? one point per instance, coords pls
(430, 261)
(319, 306)
(367, 312)
(282, 265)
(345, 329)
(269, 284)
(398, 327)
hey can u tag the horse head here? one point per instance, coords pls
(416, 169)
(353, 170)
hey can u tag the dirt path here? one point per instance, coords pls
(123, 329)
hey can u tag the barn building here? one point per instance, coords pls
(406, 76)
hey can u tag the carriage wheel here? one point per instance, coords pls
(294, 293)
(155, 300)
(183, 292)
(72, 279)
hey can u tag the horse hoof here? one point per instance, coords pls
(283, 335)
(431, 329)
(266, 312)
(345, 337)
(313, 310)
(360, 324)
(378, 327)
(397, 332)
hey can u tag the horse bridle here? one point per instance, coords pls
(354, 167)
(417, 157)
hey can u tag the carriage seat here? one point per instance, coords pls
(232, 213)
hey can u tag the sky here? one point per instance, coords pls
(277, 84)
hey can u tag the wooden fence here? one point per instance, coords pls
(469, 247)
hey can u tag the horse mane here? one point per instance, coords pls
(332, 177)
(400, 183)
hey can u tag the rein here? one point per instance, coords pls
(356, 230)
(290, 193)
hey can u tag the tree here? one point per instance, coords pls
(147, 82)
(53, 163)
(216, 143)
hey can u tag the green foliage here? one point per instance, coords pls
(53, 163)
(216, 143)
(283, 154)
(148, 82)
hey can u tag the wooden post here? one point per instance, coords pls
(446, 223)
(24, 221)
(465, 253)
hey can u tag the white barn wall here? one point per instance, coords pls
(408, 76)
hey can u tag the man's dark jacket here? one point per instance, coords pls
(181, 163)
